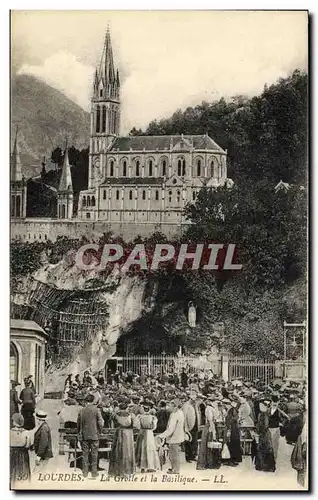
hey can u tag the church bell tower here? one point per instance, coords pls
(18, 187)
(105, 110)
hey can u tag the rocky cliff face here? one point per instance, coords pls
(150, 312)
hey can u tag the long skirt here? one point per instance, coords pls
(208, 458)
(293, 429)
(19, 464)
(122, 456)
(146, 453)
(234, 445)
(27, 412)
(264, 459)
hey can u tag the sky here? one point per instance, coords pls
(167, 59)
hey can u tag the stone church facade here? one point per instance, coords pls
(136, 184)
(141, 179)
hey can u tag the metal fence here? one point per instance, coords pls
(249, 368)
(158, 364)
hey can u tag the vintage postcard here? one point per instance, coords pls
(158, 198)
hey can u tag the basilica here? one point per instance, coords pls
(136, 184)
(141, 178)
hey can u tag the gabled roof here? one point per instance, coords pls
(164, 142)
(25, 324)
(174, 180)
(282, 186)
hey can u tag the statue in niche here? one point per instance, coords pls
(192, 314)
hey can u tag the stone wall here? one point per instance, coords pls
(34, 229)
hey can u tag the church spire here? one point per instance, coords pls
(16, 171)
(106, 81)
(108, 59)
(66, 177)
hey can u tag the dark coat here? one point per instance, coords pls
(14, 402)
(43, 441)
(90, 423)
(27, 396)
(163, 416)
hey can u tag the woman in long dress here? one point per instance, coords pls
(147, 458)
(264, 459)
(19, 454)
(122, 456)
(233, 436)
(209, 457)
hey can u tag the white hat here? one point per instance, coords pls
(41, 415)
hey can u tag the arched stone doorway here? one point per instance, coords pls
(14, 362)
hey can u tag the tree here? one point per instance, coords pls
(57, 156)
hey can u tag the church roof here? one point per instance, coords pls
(16, 171)
(132, 180)
(164, 142)
(66, 178)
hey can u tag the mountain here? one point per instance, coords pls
(45, 118)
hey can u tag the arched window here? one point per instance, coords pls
(183, 167)
(164, 167)
(215, 169)
(97, 119)
(14, 362)
(84, 201)
(178, 196)
(124, 168)
(93, 201)
(63, 212)
(111, 168)
(12, 206)
(88, 201)
(199, 168)
(130, 195)
(194, 195)
(179, 168)
(104, 119)
(157, 195)
(144, 195)
(137, 168)
(150, 168)
(170, 196)
(104, 194)
(117, 194)
(18, 207)
(211, 169)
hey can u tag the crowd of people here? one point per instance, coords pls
(29, 431)
(154, 418)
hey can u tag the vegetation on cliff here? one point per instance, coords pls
(266, 139)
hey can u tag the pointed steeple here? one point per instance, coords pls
(96, 80)
(106, 81)
(66, 177)
(16, 170)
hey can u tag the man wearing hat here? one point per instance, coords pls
(174, 435)
(191, 421)
(90, 424)
(42, 440)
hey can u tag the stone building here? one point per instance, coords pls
(27, 352)
(141, 179)
(137, 185)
